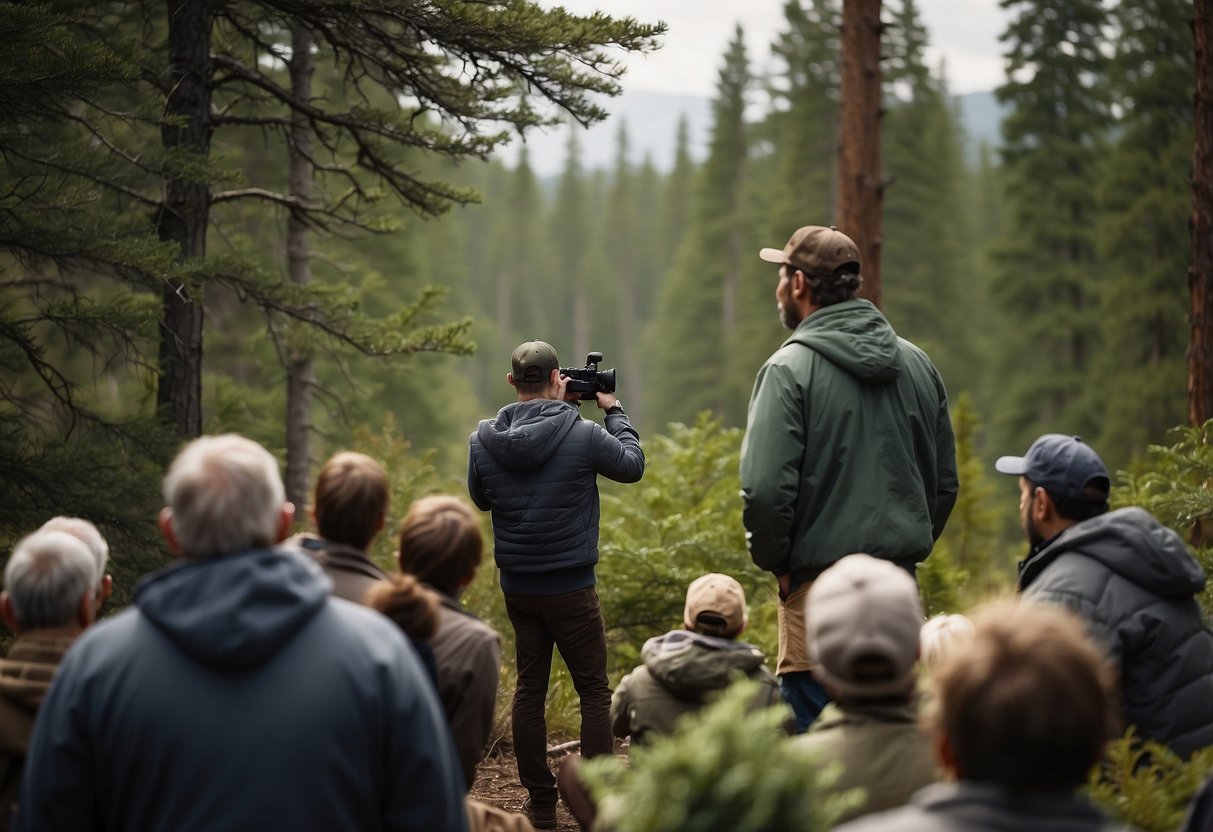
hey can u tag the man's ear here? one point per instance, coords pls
(86, 610)
(466, 580)
(104, 590)
(165, 521)
(1042, 507)
(510, 378)
(6, 613)
(286, 521)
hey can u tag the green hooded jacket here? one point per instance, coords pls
(848, 446)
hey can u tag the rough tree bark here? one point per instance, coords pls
(859, 183)
(184, 214)
(299, 380)
(1200, 275)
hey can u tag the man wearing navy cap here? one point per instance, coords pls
(1131, 578)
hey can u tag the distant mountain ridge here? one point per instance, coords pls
(651, 119)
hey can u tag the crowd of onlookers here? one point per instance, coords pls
(267, 681)
(235, 694)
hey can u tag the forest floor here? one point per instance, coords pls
(497, 784)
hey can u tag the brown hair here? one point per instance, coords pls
(404, 600)
(1028, 702)
(351, 499)
(440, 542)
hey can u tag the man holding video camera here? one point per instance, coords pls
(535, 467)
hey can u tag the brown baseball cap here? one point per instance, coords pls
(719, 596)
(861, 609)
(815, 249)
(534, 361)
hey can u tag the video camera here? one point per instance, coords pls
(589, 380)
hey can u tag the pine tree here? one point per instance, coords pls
(697, 312)
(1143, 231)
(925, 229)
(1054, 139)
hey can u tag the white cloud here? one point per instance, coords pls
(963, 33)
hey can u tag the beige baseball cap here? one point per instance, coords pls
(815, 249)
(864, 611)
(719, 596)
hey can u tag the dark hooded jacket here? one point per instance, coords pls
(536, 467)
(236, 695)
(848, 446)
(681, 672)
(1135, 583)
(979, 807)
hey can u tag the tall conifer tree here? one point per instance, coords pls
(1047, 263)
(697, 312)
(1143, 231)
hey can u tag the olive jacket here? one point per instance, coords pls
(848, 447)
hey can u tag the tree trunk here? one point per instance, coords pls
(299, 380)
(859, 185)
(1200, 276)
(184, 214)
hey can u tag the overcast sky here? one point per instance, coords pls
(964, 33)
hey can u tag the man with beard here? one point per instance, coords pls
(1129, 577)
(848, 445)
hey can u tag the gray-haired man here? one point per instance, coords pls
(50, 597)
(235, 693)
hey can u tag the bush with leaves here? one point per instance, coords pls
(723, 769)
(1173, 485)
(1146, 785)
(681, 520)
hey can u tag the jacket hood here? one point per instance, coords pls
(856, 337)
(525, 434)
(235, 611)
(1131, 543)
(690, 665)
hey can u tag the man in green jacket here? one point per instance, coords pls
(848, 444)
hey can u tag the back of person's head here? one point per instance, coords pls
(404, 600)
(1066, 467)
(940, 636)
(862, 620)
(352, 494)
(48, 575)
(440, 543)
(225, 495)
(87, 533)
(531, 366)
(715, 606)
(1027, 703)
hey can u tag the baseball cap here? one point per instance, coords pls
(534, 361)
(863, 608)
(718, 595)
(815, 249)
(1062, 465)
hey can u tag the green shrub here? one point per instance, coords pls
(1146, 785)
(727, 770)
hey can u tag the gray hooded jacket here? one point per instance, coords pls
(681, 671)
(236, 695)
(1134, 582)
(536, 467)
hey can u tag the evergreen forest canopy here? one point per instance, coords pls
(308, 190)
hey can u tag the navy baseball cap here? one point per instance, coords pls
(1062, 465)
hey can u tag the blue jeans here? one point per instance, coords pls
(806, 696)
